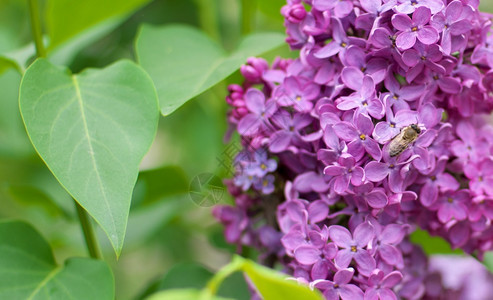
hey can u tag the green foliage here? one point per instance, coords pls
(180, 72)
(28, 274)
(92, 130)
(68, 18)
(432, 244)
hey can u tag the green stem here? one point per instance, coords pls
(208, 18)
(88, 231)
(37, 32)
(248, 9)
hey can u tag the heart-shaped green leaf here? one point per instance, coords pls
(92, 130)
(184, 62)
(28, 269)
(67, 18)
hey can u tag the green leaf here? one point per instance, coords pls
(272, 8)
(272, 285)
(183, 294)
(153, 185)
(488, 261)
(32, 196)
(184, 62)
(13, 139)
(92, 130)
(432, 244)
(67, 18)
(186, 275)
(28, 269)
(268, 282)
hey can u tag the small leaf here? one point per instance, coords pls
(432, 244)
(183, 294)
(67, 18)
(184, 62)
(92, 130)
(272, 285)
(156, 184)
(28, 269)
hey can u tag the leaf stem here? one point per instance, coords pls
(36, 29)
(247, 15)
(88, 231)
(208, 18)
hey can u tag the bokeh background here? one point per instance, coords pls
(171, 241)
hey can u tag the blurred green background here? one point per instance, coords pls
(170, 242)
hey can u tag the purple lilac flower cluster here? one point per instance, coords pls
(316, 187)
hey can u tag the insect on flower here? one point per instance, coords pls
(400, 143)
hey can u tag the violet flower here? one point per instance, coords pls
(344, 172)
(340, 288)
(416, 28)
(353, 247)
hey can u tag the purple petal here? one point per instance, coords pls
(351, 292)
(340, 236)
(341, 184)
(334, 170)
(363, 234)
(421, 15)
(376, 171)
(255, 101)
(428, 35)
(392, 234)
(377, 199)
(406, 40)
(307, 255)
(390, 254)
(352, 78)
(411, 57)
(318, 211)
(392, 279)
(280, 140)
(355, 56)
(366, 263)
(428, 194)
(357, 176)
(345, 131)
(343, 276)
(343, 8)
(328, 50)
(402, 22)
(371, 146)
(343, 258)
(249, 125)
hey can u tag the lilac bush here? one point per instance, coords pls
(316, 187)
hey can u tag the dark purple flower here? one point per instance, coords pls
(265, 184)
(385, 131)
(359, 136)
(422, 56)
(410, 6)
(364, 98)
(375, 67)
(340, 42)
(393, 167)
(344, 172)
(341, 8)
(380, 285)
(397, 96)
(289, 132)
(414, 29)
(455, 21)
(340, 288)
(352, 247)
(298, 93)
(435, 181)
(480, 176)
(260, 111)
(452, 205)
